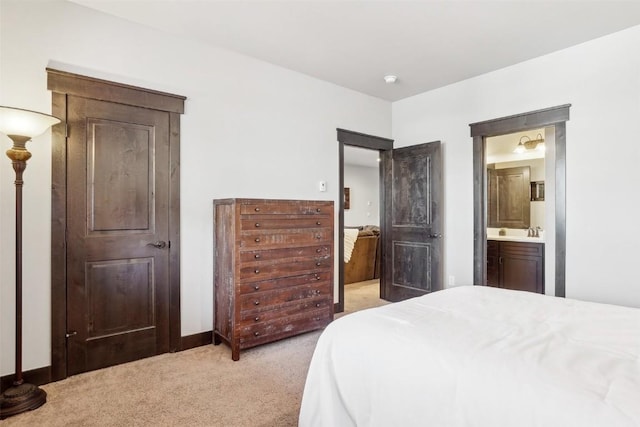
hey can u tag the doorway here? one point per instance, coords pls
(115, 224)
(555, 119)
(371, 143)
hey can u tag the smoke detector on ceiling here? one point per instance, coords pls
(390, 79)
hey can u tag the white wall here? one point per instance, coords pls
(601, 79)
(250, 129)
(364, 183)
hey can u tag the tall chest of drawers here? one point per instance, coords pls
(273, 270)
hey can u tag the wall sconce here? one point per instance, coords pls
(20, 126)
(527, 143)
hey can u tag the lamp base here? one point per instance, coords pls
(21, 398)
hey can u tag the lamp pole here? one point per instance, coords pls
(20, 126)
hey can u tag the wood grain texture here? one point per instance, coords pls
(273, 270)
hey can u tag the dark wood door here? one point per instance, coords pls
(117, 233)
(412, 237)
(509, 199)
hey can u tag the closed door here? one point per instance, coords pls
(117, 233)
(412, 241)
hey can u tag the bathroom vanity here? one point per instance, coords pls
(516, 263)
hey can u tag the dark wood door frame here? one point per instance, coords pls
(355, 139)
(63, 84)
(554, 116)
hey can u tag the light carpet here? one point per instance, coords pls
(197, 387)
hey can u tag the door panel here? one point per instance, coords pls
(412, 239)
(117, 198)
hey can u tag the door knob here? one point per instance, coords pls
(160, 244)
(434, 236)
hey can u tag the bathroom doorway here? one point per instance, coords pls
(553, 120)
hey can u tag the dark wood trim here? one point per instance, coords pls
(561, 207)
(519, 122)
(62, 84)
(355, 139)
(103, 90)
(175, 326)
(38, 376)
(58, 239)
(555, 116)
(196, 340)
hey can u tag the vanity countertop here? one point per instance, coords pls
(517, 239)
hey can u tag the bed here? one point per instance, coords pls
(477, 356)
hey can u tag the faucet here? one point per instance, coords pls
(530, 232)
(537, 232)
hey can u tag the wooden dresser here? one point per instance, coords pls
(273, 270)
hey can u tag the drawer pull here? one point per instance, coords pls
(256, 302)
(257, 209)
(256, 287)
(317, 304)
(256, 271)
(318, 264)
(257, 334)
(316, 318)
(318, 210)
(257, 256)
(317, 277)
(317, 222)
(317, 292)
(257, 240)
(257, 224)
(257, 319)
(318, 236)
(318, 250)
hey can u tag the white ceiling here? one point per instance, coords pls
(427, 44)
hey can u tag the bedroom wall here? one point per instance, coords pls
(601, 79)
(364, 183)
(250, 129)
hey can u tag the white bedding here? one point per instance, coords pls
(477, 356)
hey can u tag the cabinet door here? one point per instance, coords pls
(493, 267)
(522, 266)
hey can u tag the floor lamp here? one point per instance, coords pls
(20, 126)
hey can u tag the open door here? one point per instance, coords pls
(412, 235)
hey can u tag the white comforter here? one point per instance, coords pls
(478, 356)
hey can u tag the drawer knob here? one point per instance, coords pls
(318, 236)
(256, 287)
(256, 302)
(317, 291)
(317, 304)
(257, 209)
(257, 256)
(257, 319)
(318, 250)
(317, 277)
(257, 334)
(318, 264)
(257, 224)
(317, 222)
(256, 271)
(318, 210)
(257, 240)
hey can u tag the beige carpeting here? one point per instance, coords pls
(198, 387)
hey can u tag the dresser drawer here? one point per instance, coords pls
(270, 331)
(285, 253)
(270, 269)
(255, 240)
(263, 314)
(285, 282)
(284, 209)
(275, 222)
(257, 300)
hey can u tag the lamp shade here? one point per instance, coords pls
(16, 121)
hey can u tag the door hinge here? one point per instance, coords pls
(70, 334)
(169, 244)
